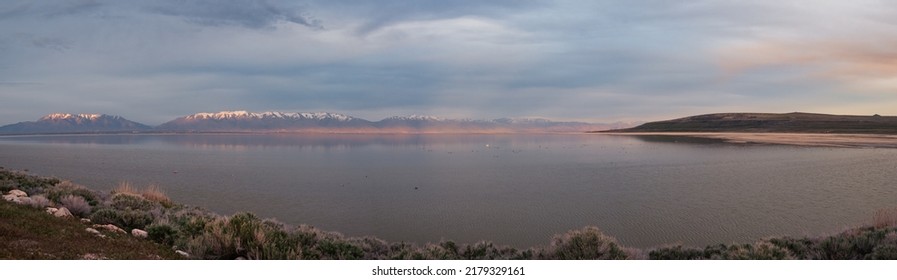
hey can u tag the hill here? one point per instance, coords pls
(75, 123)
(778, 123)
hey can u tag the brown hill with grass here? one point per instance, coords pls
(29, 233)
(778, 123)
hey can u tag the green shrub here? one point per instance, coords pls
(884, 252)
(763, 250)
(125, 219)
(485, 250)
(243, 235)
(586, 244)
(106, 216)
(162, 233)
(124, 201)
(67, 188)
(677, 252)
(131, 219)
(7, 185)
(339, 249)
(24, 182)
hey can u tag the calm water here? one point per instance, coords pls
(512, 189)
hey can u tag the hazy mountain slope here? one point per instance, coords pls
(74, 123)
(763, 122)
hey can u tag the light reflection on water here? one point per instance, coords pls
(511, 189)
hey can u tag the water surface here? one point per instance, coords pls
(517, 190)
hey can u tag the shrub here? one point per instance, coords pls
(106, 216)
(67, 188)
(586, 244)
(339, 249)
(446, 250)
(162, 233)
(27, 183)
(7, 185)
(485, 250)
(39, 201)
(763, 250)
(131, 219)
(190, 222)
(677, 252)
(243, 235)
(76, 204)
(125, 201)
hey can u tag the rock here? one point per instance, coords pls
(12, 198)
(139, 233)
(182, 253)
(51, 210)
(18, 193)
(62, 212)
(85, 220)
(92, 257)
(110, 227)
(94, 231)
(24, 200)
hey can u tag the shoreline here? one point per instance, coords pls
(775, 138)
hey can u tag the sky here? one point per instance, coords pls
(598, 61)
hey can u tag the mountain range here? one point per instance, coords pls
(322, 122)
(75, 123)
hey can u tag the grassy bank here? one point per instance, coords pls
(26, 232)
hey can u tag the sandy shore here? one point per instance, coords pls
(798, 139)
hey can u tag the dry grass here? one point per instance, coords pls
(125, 187)
(154, 193)
(151, 192)
(885, 217)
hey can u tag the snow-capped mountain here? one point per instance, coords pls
(319, 122)
(266, 121)
(74, 123)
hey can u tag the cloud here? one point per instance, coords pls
(588, 60)
(47, 9)
(246, 13)
(370, 16)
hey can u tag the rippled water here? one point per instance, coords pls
(512, 189)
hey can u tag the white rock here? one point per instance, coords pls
(139, 233)
(94, 231)
(51, 210)
(62, 212)
(12, 198)
(182, 253)
(18, 193)
(85, 220)
(110, 227)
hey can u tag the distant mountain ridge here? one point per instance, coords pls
(281, 122)
(796, 122)
(75, 123)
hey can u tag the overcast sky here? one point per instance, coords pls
(152, 61)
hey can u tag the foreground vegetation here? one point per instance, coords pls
(27, 232)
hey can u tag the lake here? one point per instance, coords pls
(516, 190)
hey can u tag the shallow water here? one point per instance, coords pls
(511, 189)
